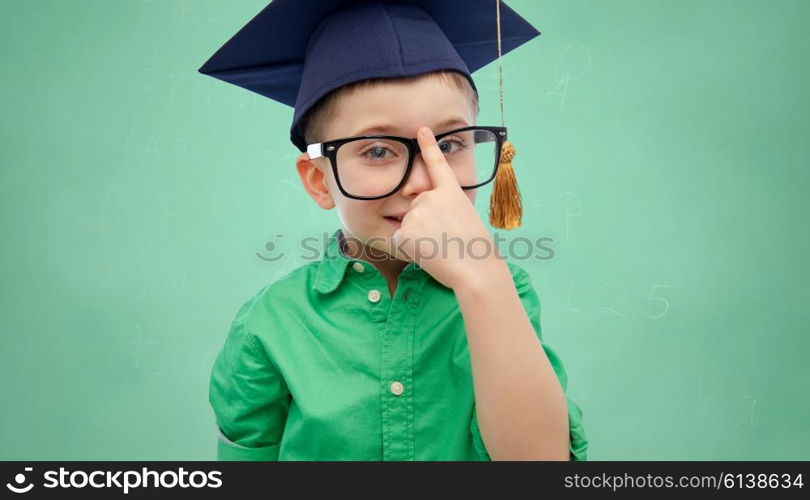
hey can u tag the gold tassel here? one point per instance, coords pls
(505, 208)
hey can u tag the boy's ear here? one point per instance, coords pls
(315, 181)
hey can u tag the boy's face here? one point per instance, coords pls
(404, 106)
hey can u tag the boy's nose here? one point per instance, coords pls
(418, 178)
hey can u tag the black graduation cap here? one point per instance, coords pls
(297, 51)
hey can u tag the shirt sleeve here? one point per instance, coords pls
(578, 449)
(249, 397)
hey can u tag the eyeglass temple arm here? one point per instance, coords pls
(315, 150)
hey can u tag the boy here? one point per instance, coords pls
(388, 348)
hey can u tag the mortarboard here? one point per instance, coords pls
(297, 51)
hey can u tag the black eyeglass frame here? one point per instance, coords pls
(329, 150)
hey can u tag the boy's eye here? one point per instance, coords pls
(376, 152)
(450, 143)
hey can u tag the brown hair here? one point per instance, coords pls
(316, 120)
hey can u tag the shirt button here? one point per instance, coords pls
(358, 267)
(397, 388)
(374, 295)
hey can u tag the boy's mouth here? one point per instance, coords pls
(396, 220)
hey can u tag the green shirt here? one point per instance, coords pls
(323, 364)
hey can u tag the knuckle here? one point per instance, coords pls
(433, 151)
(435, 155)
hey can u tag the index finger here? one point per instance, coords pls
(437, 165)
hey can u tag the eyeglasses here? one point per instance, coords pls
(375, 166)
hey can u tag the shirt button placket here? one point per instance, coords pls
(397, 376)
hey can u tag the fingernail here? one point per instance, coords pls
(425, 132)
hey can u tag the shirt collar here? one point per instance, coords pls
(333, 265)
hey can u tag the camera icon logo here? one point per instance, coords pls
(20, 479)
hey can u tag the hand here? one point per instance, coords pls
(445, 214)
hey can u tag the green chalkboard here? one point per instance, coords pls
(662, 152)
